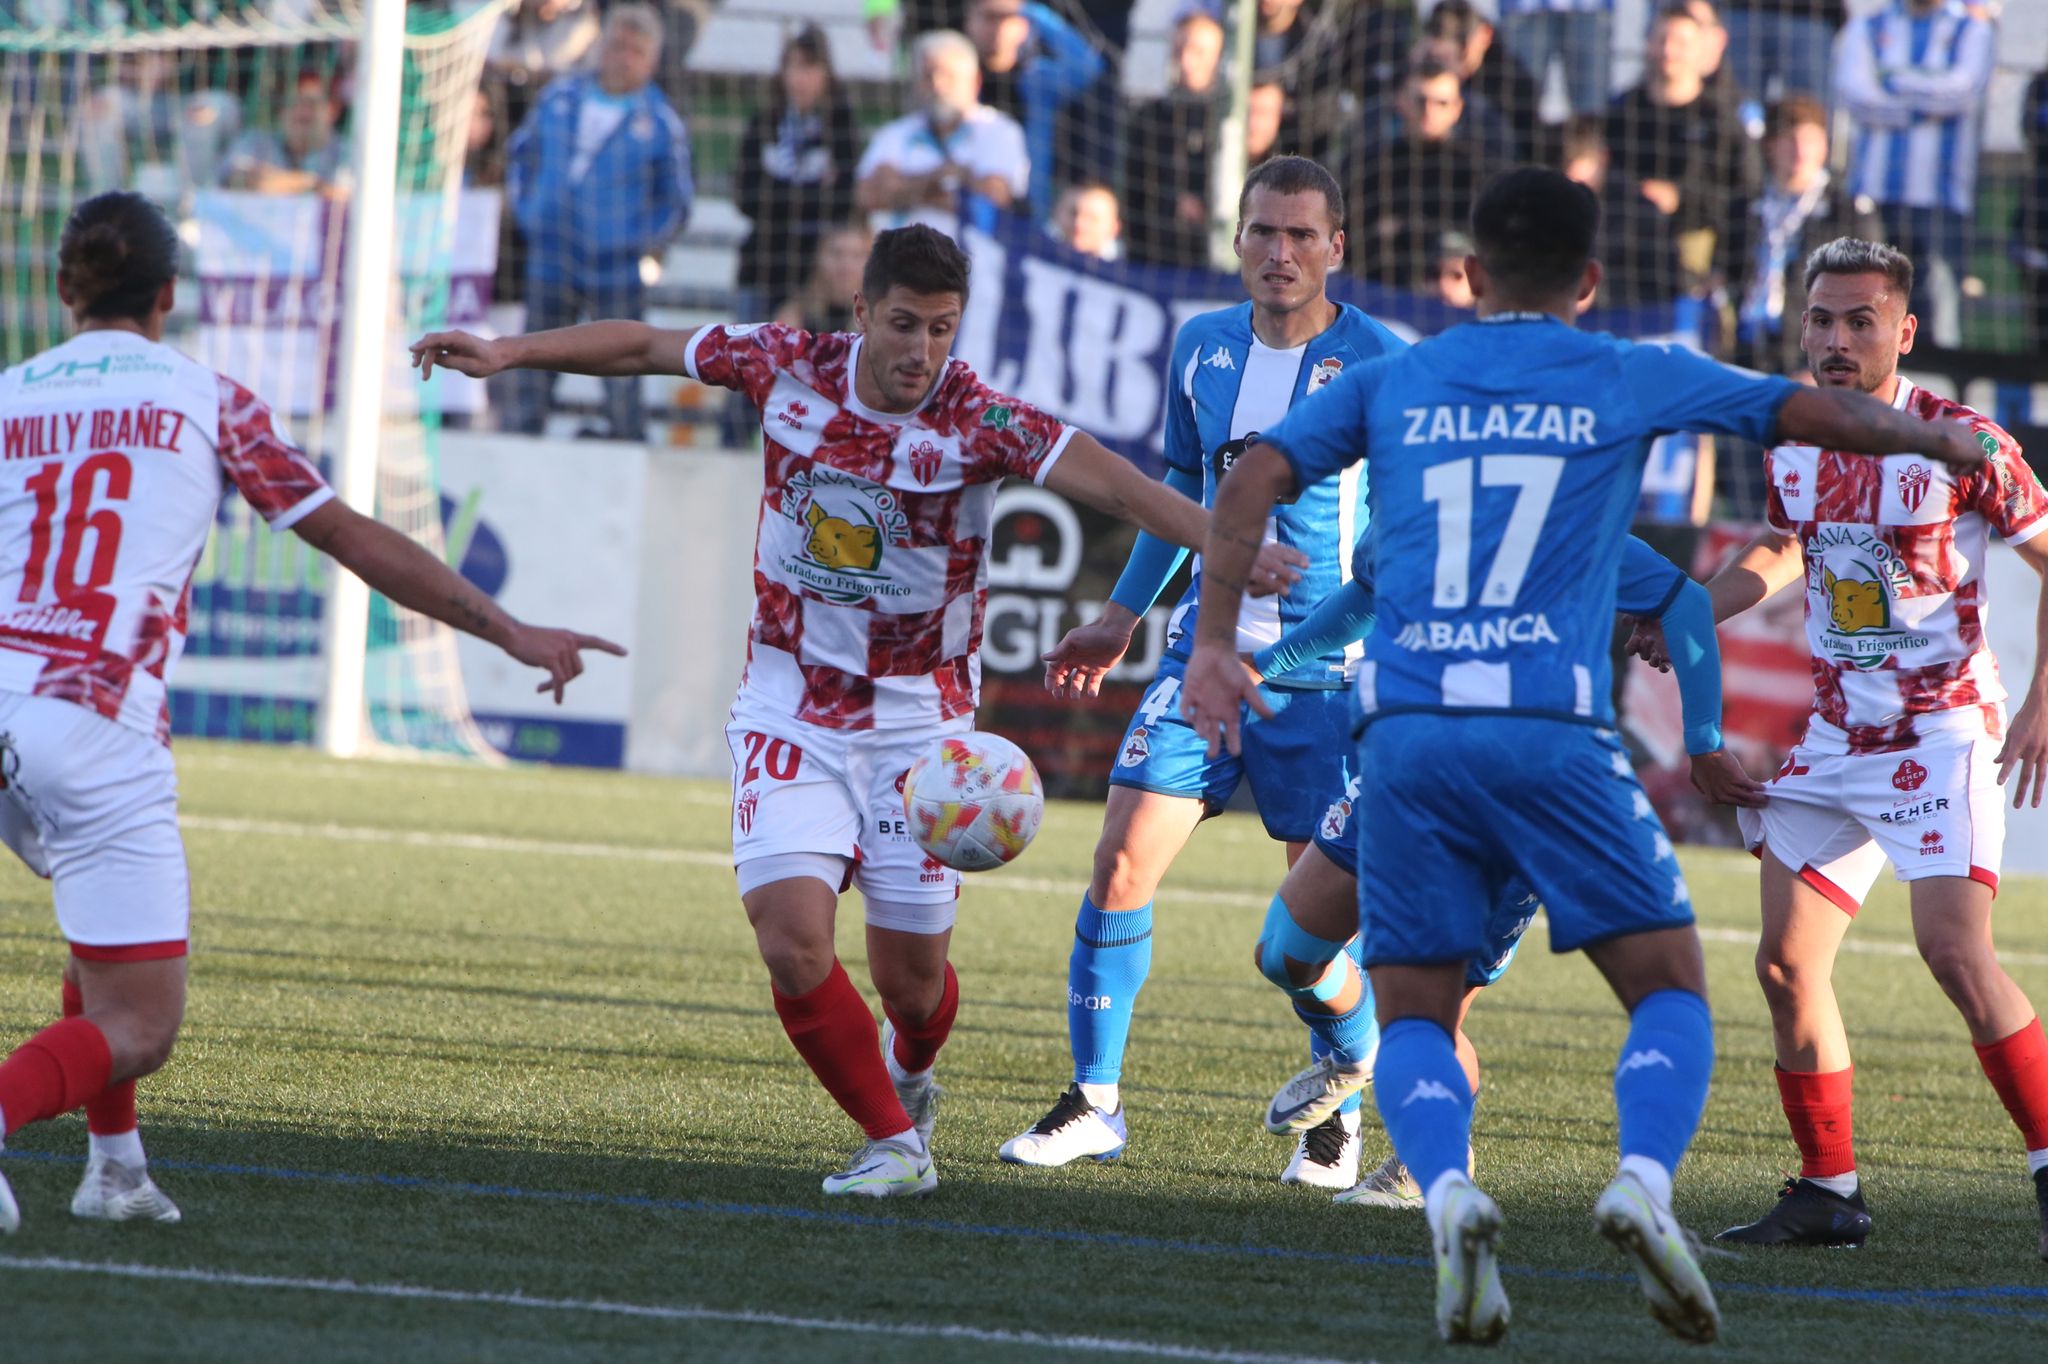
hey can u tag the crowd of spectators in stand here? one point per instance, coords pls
(1717, 167)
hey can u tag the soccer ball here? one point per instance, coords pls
(973, 801)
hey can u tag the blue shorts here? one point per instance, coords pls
(1513, 911)
(1292, 760)
(1467, 807)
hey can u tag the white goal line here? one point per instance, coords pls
(700, 857)
(1096, 1345)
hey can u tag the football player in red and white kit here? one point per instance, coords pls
(882, 457)
(1908, 742)
(116, 451)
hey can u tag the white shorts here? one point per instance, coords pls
(805, 789)
(1932, 810)
(101, 807)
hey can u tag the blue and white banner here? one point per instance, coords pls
(1089, 340)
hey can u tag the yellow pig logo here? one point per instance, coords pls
(838, 543)
(1855, 605)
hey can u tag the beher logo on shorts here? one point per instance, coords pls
(743, 809)
(1909, 776)
(1913, 483)
(1136, 748)
(1930, 844)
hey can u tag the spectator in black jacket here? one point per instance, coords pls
(1801, 208)
(1638, 250)
(1413, 177)
(795, 173)
(1687, 152)
(1498, 88)
(1166, 219)
(2030, 223)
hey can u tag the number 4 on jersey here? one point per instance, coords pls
(1449, 485)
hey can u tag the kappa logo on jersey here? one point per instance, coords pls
(1136, 749)
(1323, 372)
(743, 809)
(1914, 480)
(1220, 359)
(925, 459)
(1429, 1089)
(1643, 1060)
(849, 524)
(1909, 776)
(1930, 844)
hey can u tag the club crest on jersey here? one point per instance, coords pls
(1335, 818)
(743, 809)
(1136, 749)
(1909, 776)
(1324, 371)
(925, 459)
(846, 525)
(1914, 480)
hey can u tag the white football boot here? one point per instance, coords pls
(10, 1211)
(1470, 1303)
(885, 1169)
(1326, 1156)
(1650, 1237)
(1389, 1186)
(114, 1192)
(920, 1098)
(1313, 1095)
(1072, 1128)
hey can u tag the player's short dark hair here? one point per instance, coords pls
(1682, 9)
(1854, 256)
(1456, 20)
(1533, 229)
(1294, 175)
(921, 259)
(116, 254)
(1794, 111)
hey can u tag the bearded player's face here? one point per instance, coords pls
(1854, 330)
(906, 338)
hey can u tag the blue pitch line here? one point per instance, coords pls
(1964, 1300)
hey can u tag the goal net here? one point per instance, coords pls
(235, 118)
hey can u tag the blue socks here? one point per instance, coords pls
(1424, 1100)
(1660, 1081)
(1112, 956)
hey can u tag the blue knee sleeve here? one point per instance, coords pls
(1281, 940)
(1112, 956)
(1660, 1081)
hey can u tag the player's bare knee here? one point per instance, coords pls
(1120, 880)
(1964, 970)
(139, 1041)
(796, 964)
(1784, 979)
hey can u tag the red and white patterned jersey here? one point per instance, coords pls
(116, 452)
(1895, 606)
(871, 550)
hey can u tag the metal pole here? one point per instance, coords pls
(345, 617)
(1228, 171)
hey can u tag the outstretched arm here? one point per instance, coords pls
(2026, 738)
(1688, 627)
(416, 580)
(1766, 564)
(1843, 419)
(608, 349)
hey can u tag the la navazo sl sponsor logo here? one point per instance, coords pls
(848, 525)
(1858, 578)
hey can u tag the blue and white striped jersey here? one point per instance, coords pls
(1228, 388)
(1915, 87)
(1506, 459)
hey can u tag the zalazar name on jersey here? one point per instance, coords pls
(870, 560)
(114, 453)
(1895, 604)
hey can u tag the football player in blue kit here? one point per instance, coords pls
(1310, 944)
(1234, 372)
(1507, 454)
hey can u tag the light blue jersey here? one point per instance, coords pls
(1229, 388)
(1506, 458)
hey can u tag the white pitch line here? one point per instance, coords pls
(1095, 1345)
(700, 857)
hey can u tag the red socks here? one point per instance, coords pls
(836, 1035)
(112, 1111)
(917, 1046)
(2017, 1067)
(1817, 1105)
(54, 1072)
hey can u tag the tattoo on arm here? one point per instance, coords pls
(470, 615)
(1234, 584)
(1223, 532)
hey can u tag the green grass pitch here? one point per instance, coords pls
(499, 1039)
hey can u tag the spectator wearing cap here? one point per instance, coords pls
(1033, 65)
(1579, 34)
(598, 177)
(1912, 78)
(1802, 207)
(915, 169)
(1171, 141)
(1688, 152)
(1414, 177)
